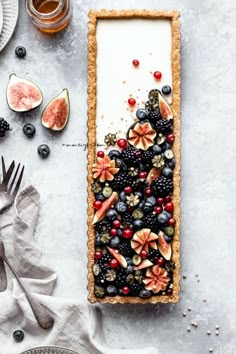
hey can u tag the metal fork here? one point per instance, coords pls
(7, 193)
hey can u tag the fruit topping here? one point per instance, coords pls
(102, 211)
(4, 127)
(144, 264)
(164, 126)
(142, 136)
(29, 130)
(120, 259)
(113, 263)
(158, 161)
(143, 239)
(131, 101)
(136, 259)
(110, 139)
(163, 246)
(141, 114)
(122, 143)
(100, 154)
(104, 169)
(126, 290)
(43, 151)
(166, 90)
(20, 51)
(56, 114)
(157, 75)
(22, 95)
(127, 233)
(135, 62)
(132, 200)
(162, 186)
(156, 279)
(165, 110)
(18, 336)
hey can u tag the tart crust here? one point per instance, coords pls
(94, 16)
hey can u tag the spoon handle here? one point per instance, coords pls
(42, 316)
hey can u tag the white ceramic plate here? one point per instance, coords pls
(10, 15)
(49, 350)
(1, 17)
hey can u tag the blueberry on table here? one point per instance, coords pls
(166, 90)
(18, 336)
(43, 151)
(20, 52)
(29, 130)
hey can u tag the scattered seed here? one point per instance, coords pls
(211, 350)
(196, 275)
(195, 324)
(208, 332)
(192, 323)
(189, 309)
(217, 332)
(204, 300)
(217, 327)
(189, 329)
(184, 276)
(184, 314)
(198, 280)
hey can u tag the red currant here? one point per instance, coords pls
(135, 62)
(113, 232)
(97, 204)
(128, 190)
(169, 292)
(138, 153)
(168, 199)
(122, 143)
(130, 208)
(125, 290)
(98, 255)
(148, 191)
(100, 154)
(169, 207)
(160, 261)
(171, 221)
(143, 254)
(113, 263)
(158, 209)
(127, 233)
(116, 223)
(160, 200)
(131, 101)
(170, 138)
(157, 75)
(142, 174)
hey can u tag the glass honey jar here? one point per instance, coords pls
(50, 16)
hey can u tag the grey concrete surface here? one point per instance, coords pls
(208, 242)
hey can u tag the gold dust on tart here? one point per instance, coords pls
(133, 179)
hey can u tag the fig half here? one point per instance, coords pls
(23, 95)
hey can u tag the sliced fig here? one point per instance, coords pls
(56, 114)
(165, 110)
(101, 212)
(120, 259)
(144, 264)
(163, 246)
(153, 174)
(23, 95)
(143, 239)
(141, 135)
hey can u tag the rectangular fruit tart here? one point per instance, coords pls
(133, 156)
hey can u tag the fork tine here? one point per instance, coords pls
(8, 175)
(18, 182)
(3, 168)
(13, 180)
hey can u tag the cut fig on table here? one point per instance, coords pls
(56, 114)
(22, 94)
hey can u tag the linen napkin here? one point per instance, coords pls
(77, 326)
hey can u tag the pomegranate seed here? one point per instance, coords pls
(168, 199)
(113, 263)
(131, 101)
(100, 154)
(97, 204)
(158, 209)
(142, 174)
(122, 143)
(113, 232)
(169, 206)
(143, 254)
(127, 233)
(160, 261)
(135, 62)
(128, 190)
(148, 191)
(171, 221)
(125, 290)
(116, 223)
(160, 200)
(157, 75)
(98, 255)
(170, 138)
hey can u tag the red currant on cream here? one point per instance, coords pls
(170, 138)
(125, 290)
(143, 254)
(116, 223)
(100, 154)
(98, 255)
(122, 143)
(171, 222)
(97, 204)
(131, 101)
(127, 233)
(113, 232)
(135, 62)
(142, 174)
(157, 75)
(113, 263)
(169, 207)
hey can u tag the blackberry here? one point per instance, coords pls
(135, 288)
(153, 255)
(147, 156)
(154, 115)
(121, 180)
(164, 126)
(151, 222)
(127, 219)
(104, 262)
(162, 187)
(100, 279)
(4, 127)
(121, 279)
(126, 249)
(103, 225)
(130, 156)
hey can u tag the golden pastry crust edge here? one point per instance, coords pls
(94, 16)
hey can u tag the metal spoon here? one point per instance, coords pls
(42, 316)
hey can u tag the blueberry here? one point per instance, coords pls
(111, 290)
(114, 154)
(171, 163)
(119, 232)
(151, 200)
(147, 207)
(100, 197)
(111, 214)
(43, 151)
(141, 205)
(139, 194)
(167, 214)
(138, 224)
(18, 336)
(144, 294)
(166, 146)
(122, 196)
(20, 52)
(129, 269)
(162, 218)
(168, 238)
(29, 130)
(98, 240)
(157, 149)
(141, 114)
(167, 172)
(115, 241)
(128, 260)
(166, 90)
(121, 207)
